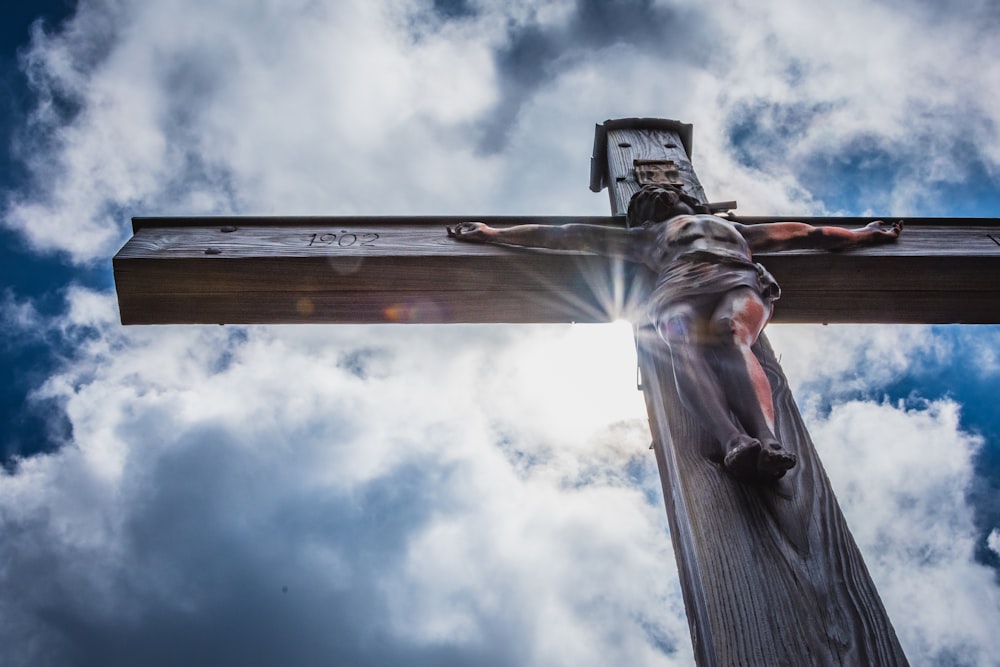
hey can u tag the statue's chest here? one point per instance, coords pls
(699, 234)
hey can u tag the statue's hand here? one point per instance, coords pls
(470, 231)
(884, 231)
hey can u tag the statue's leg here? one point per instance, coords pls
(683, 326)
(738, 319)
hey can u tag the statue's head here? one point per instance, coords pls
(656, 203)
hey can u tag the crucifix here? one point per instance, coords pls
(769, 571)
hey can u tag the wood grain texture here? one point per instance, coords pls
(771, 574)
(935, 274)
(626, 145)
(356, 271)
(506, 287)
(390, 307)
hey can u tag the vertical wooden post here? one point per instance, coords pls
(770, 573)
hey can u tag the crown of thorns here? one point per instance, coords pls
(655, 203)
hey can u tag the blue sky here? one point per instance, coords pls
(464, 494)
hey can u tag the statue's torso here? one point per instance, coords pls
(703, 255)
(702, 236)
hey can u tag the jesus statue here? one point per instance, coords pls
(709, 304)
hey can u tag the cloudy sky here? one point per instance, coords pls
(454, 495)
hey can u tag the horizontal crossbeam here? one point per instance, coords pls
(242, 270)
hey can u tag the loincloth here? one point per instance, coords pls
(700, 276)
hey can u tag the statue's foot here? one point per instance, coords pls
(774, 461)
(742, 457)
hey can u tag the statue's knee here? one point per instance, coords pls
(731, 330)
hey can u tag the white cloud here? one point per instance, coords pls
(901, 477)
(341, 107)
(993, 541)
(824, 80)
(201, 116)
(850, 358)
(420, 486)
(19, 317)
(212, 467)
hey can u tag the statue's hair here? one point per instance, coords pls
(655, 203)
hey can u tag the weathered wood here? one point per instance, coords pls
(249, 270)
(355, 271)
(770, 573)
(394, 307)
(617, 143)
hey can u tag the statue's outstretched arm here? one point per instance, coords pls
(800, 236)
(629, 244)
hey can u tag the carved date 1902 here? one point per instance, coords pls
(344, 239)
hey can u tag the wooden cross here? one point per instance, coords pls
(770, 573)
